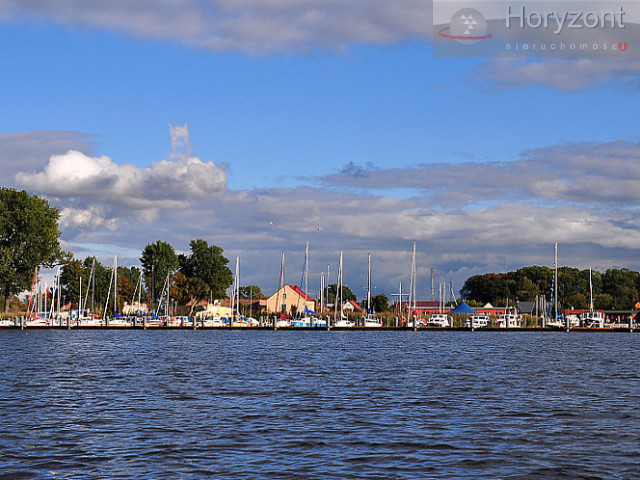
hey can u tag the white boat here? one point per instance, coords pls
(7, 322)
(319, 322)
(478, 321)
(216, 321)
(509, 320)
(593, 319)
(303, 322)
(343, 323)
(38, 321)
(118, 322)
(283, 323)
(370, 321)
(440, 320)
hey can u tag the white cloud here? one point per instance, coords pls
(565, 74)
(254, 26)
(87, 185)
(584, 173)
(30, 151)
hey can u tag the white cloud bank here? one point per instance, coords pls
(253, 26)
(96, 191)
(564, 74)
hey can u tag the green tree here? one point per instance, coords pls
(347, 294)
(98, 287)
(158, 260)
(207, 266)
(251, 291)
(29, 237)
(577, 301)
(489, 287)
(71, 273)
(380, 302)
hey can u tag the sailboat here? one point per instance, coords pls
(412, 320)
(370, 321)
(306, 316)
(592, 318)
(556, 321)
(343, 321)
(236, 319)
(117, 320)
(279, 320)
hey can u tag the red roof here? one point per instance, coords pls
(303, 295)
(356, 306)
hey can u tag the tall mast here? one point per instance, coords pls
(555, 282)
(590, 292)
(369, 283)
(115, 285)
(306, 276)
(93, 285)
(412, 286)
(341, 282)
(236, 292)
(277, 307)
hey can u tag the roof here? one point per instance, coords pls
(463, 307)
(302, 294)
(355, 305)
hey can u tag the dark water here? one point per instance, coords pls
(318, 405)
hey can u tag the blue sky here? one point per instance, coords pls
(333, 121)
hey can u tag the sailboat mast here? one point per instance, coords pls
(369, 283)
(590, 292)
(306, 276)
(115, 286)
(341, 297)
(236, 292)
(555, 282)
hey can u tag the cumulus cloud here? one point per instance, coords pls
(105, 190)
(254, 26)
(564, 74)
(30, 151)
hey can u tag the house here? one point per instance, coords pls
(352, 306)
(288, 299)
(135, 308)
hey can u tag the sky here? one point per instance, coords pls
(259, 125)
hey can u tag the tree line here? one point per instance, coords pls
(614, 289)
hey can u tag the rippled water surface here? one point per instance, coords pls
(318, 405)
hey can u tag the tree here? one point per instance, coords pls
(158, 260)
(207, 266)
(29, 237)
(347, 294)
(380, 302)
(251, 291)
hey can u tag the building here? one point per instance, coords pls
(352, 306)
(289, 299)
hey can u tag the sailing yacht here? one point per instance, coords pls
(370, 321)
(343, 321)
(592, 318)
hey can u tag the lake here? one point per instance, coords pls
(318, 405)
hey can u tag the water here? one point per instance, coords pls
(318, 405)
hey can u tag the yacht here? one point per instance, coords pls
(440, 320)
(478, 321)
